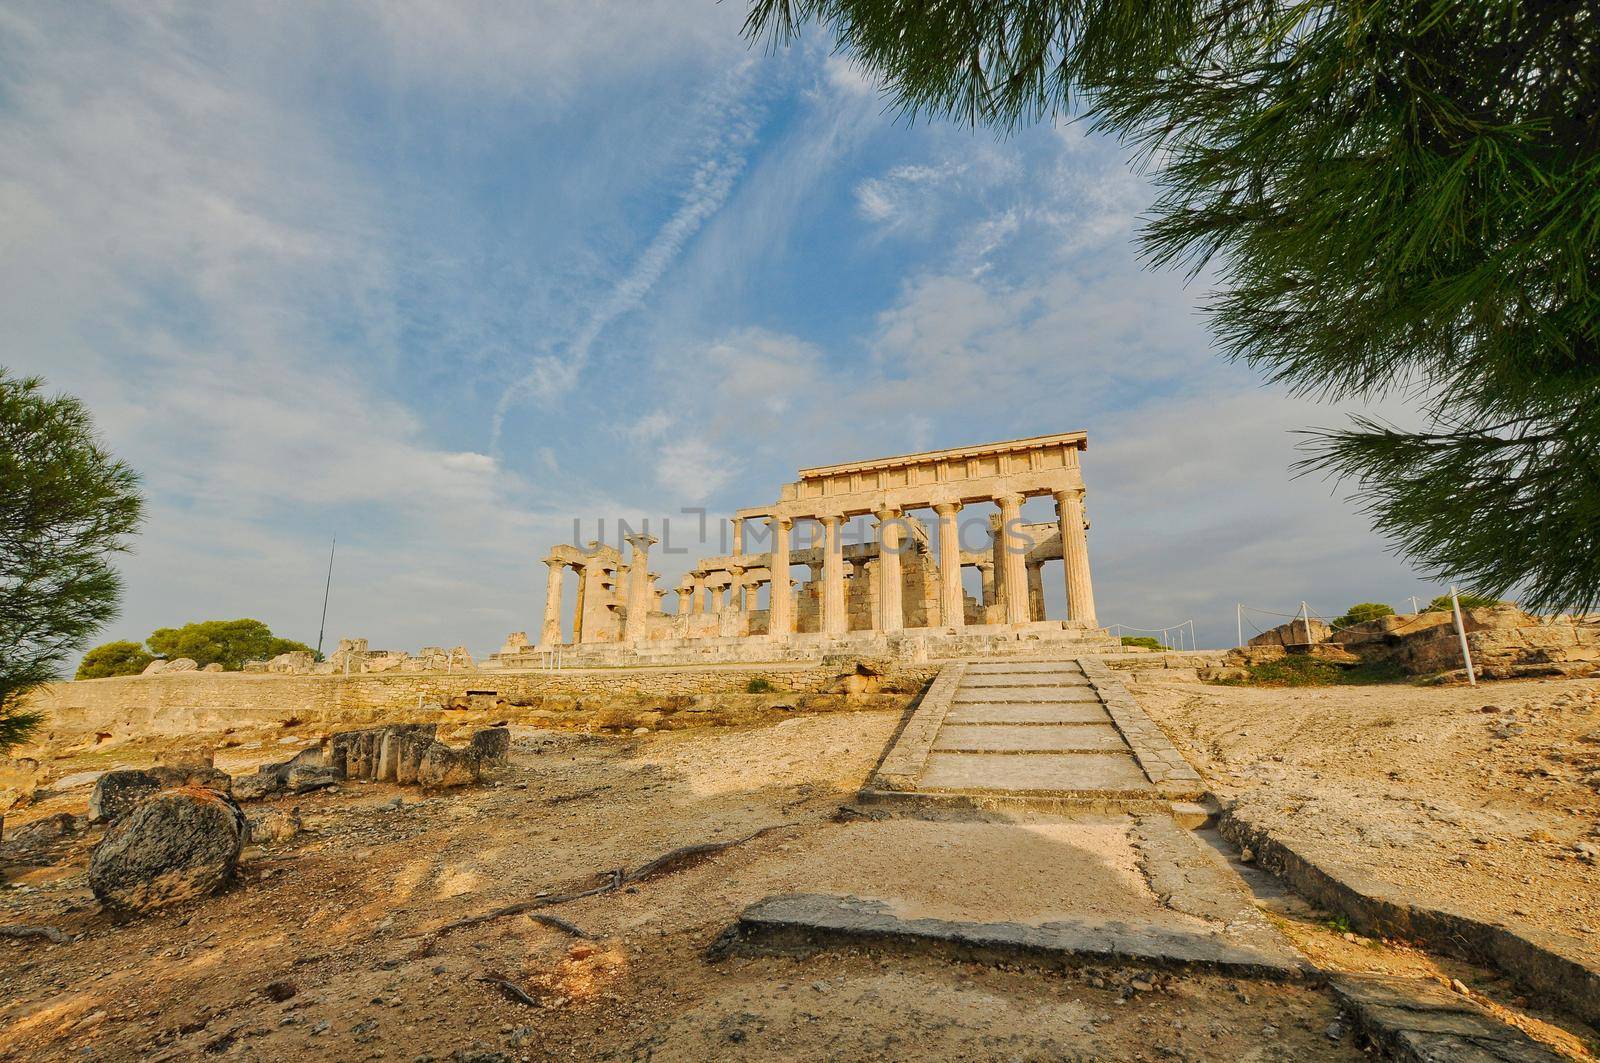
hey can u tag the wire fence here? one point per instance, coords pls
(1181, 629)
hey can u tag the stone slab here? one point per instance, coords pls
(1419, 1021)
(1053, 773)
(788, 922)
(1061, 712)
(1006, 738)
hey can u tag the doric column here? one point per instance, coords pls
(891, 614)
(1075, 559)
(589, 592)
(952, 603)
(697, 594)
(550, 634)
(639, 595)
(986, 570)
(1035, 591)
(780, 615)
(1013, 561)
(686, 596)
(738, 536)
(737, 598)
(834, 618)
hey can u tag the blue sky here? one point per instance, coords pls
(439, 280)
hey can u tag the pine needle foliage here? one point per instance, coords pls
(65, 506)
(1395, 197)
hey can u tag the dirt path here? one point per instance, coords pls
(337, 916)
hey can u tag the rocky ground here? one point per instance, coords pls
(332, 941)
(1485, 800)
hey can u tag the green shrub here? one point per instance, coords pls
(760, 685)
(1144, 641)
(1361, 612)
(113, 658)
(1469, 600)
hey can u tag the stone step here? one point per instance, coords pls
(1048, 773)
(1036, 679)
(1091, 712)
(985, 667)
(1025, 695)
(1009, 738)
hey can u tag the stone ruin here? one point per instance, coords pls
(897, 596)
(354, 658)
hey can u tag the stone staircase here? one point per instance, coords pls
(1059, 735)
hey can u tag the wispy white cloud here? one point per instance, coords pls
(731, 119)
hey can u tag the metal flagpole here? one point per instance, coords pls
(326, 587)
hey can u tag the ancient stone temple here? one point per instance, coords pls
(898, 593)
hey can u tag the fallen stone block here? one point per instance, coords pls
(305, 778)
(257, 786)
(179, 845)
(443, 766)
(116, 793)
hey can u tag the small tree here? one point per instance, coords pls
(229, 643)
(113, 658)
(1361, 612)
(65, 506)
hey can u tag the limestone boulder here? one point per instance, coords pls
(276, 827)
(213, 667)
(19, 780)
(154, 668)
(1294, 633)
(295, 662)
(179, 845)
(181, 664)
(444, 766)
(493, 745)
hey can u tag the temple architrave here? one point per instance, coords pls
(899, 595)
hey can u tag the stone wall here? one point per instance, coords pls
(192, 702)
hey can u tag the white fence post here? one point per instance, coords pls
(1461, 633)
